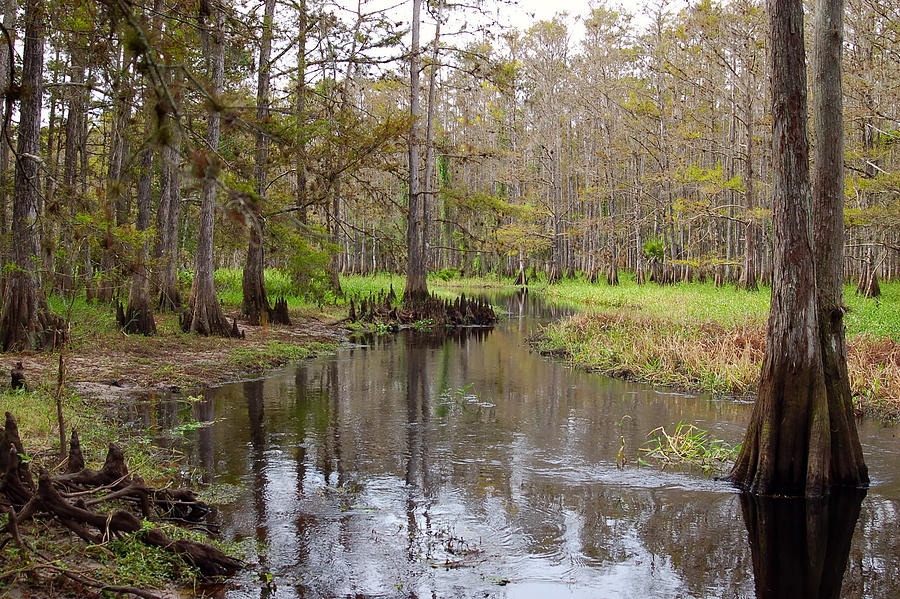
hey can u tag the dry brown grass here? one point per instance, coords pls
(709, 356)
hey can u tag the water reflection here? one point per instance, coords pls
(458, 464)
(800, 547)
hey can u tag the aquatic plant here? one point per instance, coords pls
(689, 445)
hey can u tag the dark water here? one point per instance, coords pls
(466, 466)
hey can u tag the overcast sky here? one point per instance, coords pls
(520, 15)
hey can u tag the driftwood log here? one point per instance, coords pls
(70, 499)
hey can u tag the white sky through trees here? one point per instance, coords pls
(491, 17)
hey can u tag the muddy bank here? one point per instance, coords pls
(115, 365)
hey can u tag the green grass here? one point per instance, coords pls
(688, 446)
(697, 337)
(702, 302)
(364, 285)
(277, 353)
(682, 302)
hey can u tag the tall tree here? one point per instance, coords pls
(416, 275)
(26, 322)
(204, 314)
(169, 213)
(846, 459)
(139, 315)
(255, 301)
(6, 79)
(791, 446)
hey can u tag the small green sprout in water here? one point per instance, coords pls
(688, 445)
(621, 460)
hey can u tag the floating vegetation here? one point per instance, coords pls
(192, 425)
(688, 445)
(462, 398)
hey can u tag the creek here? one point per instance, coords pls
(462, 464)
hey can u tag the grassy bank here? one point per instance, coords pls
(694, 336)
(444, 286)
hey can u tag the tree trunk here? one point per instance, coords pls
(428, 198)
(170, 207)
(6, 79)
(301, 114)
(416, 275)
(115, 202)
(846, 460)
(139, 315)
(75, 114)
(255, 301)
(750, 273)
(788, 449)
(204, 314)
(26, 322)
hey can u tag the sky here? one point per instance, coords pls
(520, 14)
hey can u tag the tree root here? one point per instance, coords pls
(459, 312)
(69, 498)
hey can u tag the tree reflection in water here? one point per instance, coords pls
(800, 547)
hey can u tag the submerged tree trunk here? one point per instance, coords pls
(416, 275)
(790, 447)
(204, 314)
(255, 303)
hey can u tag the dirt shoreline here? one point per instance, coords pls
(113, 368)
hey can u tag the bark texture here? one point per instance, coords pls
(170, 207)
(255, 303)
(204, 314)
(846, 457)
(416, 283)
(791, 446)
(26, 322)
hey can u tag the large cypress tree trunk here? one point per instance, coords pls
(789, 446)
(26, 322)
(204, 314)
(255, 301)
(416, 280)
(846, 456)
